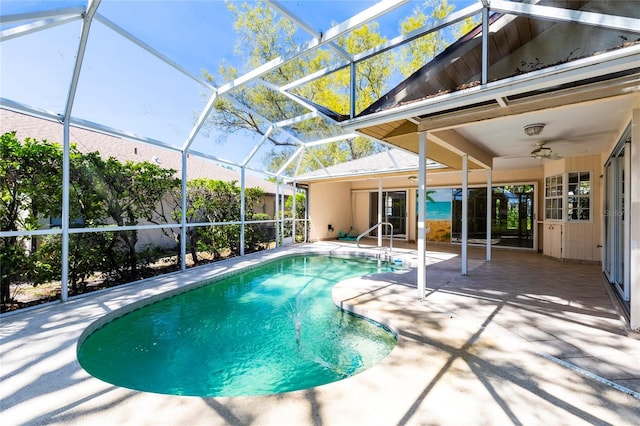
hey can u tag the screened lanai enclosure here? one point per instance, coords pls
(169, 94)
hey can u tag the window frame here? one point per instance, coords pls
(578, 196)
(554, 191)
(557, 197)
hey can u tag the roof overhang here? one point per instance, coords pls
(357, 175)
(441, 147)
(601, 76)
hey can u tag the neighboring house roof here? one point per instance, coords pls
(123, 149)
(391, 161)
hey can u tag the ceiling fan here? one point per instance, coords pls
(541, 151)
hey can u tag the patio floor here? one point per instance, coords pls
(523, 339)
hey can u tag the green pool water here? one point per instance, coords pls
(268, 330)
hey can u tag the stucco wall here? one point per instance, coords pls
(353, 197)
(360, 211)
(329, 203)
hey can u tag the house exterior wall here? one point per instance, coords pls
(360, 211)
(577, 241)
(330, 204)
(583, 239)
(571, 240)
(323, 198)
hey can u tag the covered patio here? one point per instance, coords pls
(524, 340)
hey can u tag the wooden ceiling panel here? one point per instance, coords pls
(404, 128)
(513, 37)
(523, 28)
(462, 70)
(382, 131)
(501, 45)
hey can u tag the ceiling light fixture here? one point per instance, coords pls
(533, 129)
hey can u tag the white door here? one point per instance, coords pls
(553, 239)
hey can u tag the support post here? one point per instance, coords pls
(465, 211)
(352, 107)
(242, 209)
(277, 212)
(282, 218)
(293, 212)
(489, 211)
(92, 7)
(66, 177)
(306, 214)
(485, 45)
(380, 207)
(183, 215)
(422, 214)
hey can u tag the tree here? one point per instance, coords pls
(130, 192)
(255, 234)
(89, 252)
(419, 52)
(301, 209)
(210, 201)
(215, 201)
(30, 187)
(264, 35)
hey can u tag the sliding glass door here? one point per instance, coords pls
(394, 211)
(512, 216)
(614, 222)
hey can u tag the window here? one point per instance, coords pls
(572, 190)
(579, 196)
(553, 197)
(394, 211)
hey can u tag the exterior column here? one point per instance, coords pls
(66, 177)
(422, 214)
(465, 211)
(632, 221)
(380, 207)
(485, 44)
(283, 221)
(293, 212)
(352, 90)
(90, 12)
(277, 212)
(242, 209)
(183, 215)
(489, 208)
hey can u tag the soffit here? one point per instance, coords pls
(588, 112)
(404, 134)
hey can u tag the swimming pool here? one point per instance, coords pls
(268, 330)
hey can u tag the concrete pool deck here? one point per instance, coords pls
(521, 340)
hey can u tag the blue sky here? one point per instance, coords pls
(124, 87)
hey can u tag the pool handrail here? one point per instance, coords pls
(374, 227)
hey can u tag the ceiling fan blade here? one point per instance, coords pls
(541, 150)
